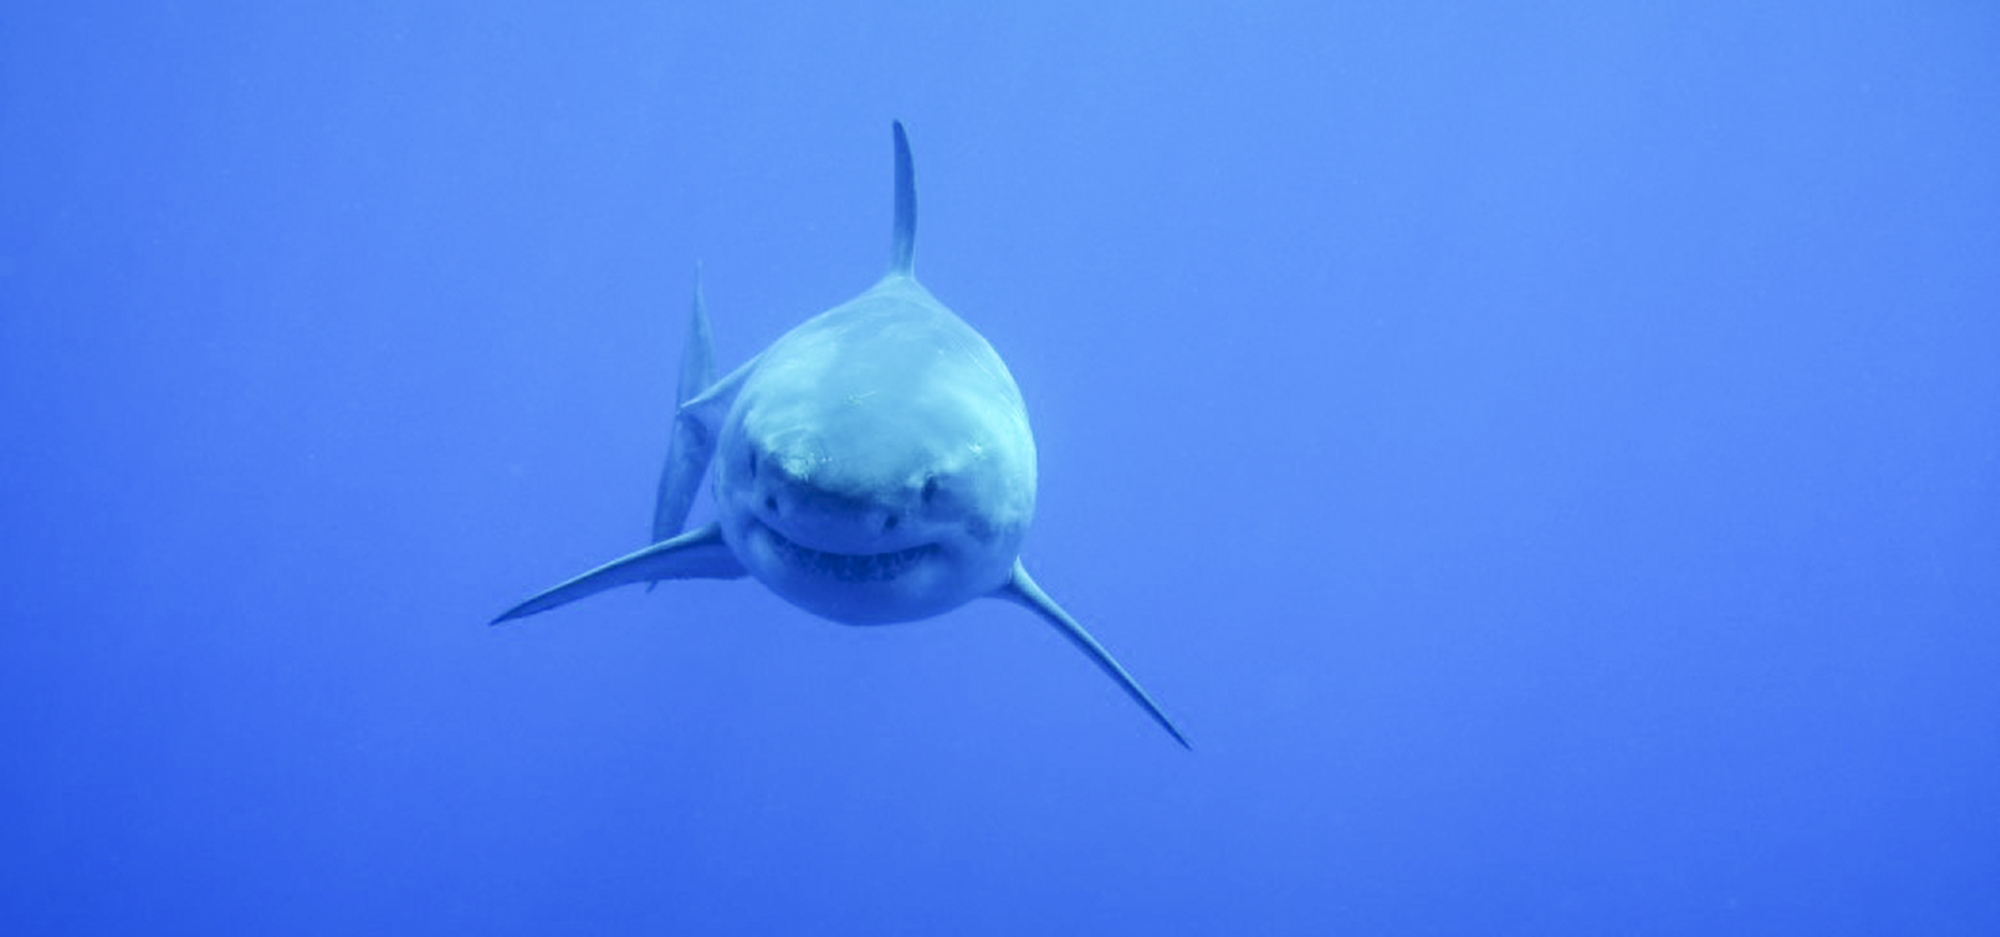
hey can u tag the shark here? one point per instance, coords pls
(874, 465)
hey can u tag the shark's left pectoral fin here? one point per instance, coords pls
(1021, 589)
(697, 554)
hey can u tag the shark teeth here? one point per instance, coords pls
(851, 567)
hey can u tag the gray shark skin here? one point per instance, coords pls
(874, 465)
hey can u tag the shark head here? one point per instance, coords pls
(877, 466)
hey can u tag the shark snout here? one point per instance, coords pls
(832, 521)
(827, 522)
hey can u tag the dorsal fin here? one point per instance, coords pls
(903, 243)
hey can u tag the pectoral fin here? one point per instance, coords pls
(697, 554)
(1022, 590)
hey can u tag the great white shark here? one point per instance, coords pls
(873, 465)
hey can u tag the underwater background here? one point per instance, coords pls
(1546, 457)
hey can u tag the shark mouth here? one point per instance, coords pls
(849, 567)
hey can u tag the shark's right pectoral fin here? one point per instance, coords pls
(697, 554)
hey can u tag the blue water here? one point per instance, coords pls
(1547, 459)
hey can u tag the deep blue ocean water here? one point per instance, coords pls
(1546, 457)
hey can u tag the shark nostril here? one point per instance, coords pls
(771, 503)
(930, 488)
